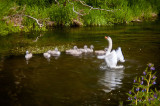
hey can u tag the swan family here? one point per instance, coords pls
(111, 57)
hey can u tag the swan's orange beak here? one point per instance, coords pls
(106, 37)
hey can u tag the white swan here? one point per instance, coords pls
(28, 55)
(72, 50)
(55, 52)
(111, 60)
(47, 55)
(113, 57)
(84, 50)
(90, 50)
(75, 51)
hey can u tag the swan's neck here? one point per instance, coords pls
(109, 46)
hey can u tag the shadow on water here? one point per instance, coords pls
(77, 80)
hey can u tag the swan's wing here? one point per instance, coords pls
(111, 59)
(120, 56)
(101, 57)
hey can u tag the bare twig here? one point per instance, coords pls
(40, 25)
(57, 2)
(76, 11)
(91, 8)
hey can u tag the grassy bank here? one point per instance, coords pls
(22, 15)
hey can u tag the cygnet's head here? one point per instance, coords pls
(56, 49)
(27, 52)
(105, 49)
(49, 51)
(91, 46)
(85, 46)
(75, 47)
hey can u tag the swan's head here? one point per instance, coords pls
(27, 52)
(91, 46)
(107, 37)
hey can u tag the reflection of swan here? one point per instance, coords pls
(101, 52)
(112, 79)
(55, 52)
(113, 57)
(28, 55)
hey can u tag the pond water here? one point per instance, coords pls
(77, 80)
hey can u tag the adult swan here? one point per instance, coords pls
(112, 57)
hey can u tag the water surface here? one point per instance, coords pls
(77, 80)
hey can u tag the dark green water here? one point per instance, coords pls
(77, 81)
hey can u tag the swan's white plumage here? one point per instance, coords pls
(101, 57)
(76, 53)
(28, 55)
(113, 57)
(47, 55)
(55, 52)
(90, 50)
(120, 56)
(111, 60)
(84, 49)
(72, 50)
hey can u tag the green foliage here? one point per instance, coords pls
(123, 11)
(62, 15)
(141, 93)
(95, 20)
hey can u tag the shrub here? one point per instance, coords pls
(141, 93)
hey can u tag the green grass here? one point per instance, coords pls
(124, 11)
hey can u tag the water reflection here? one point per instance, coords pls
(16, 88)
(112, 78)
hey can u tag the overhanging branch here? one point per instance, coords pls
(57, 2)
(91, 8)
(40, 25)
